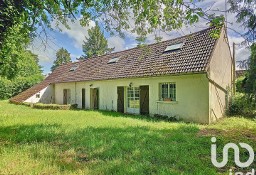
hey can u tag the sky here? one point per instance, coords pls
(73, 38)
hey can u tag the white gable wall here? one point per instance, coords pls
(220, 71)
(46, 96)
(192, 95)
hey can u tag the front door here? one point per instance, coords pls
(83, 98)
(120, 99)
(144, 100)
(94, 98)
(133, 97)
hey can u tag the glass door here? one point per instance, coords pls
(133, 97)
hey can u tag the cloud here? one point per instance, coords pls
(76, 32)
(46, 49)
(117, 42)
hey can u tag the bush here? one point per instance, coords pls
(241, 105)
(5, 88)
(51, 106)
(240, 84)
(166, 117)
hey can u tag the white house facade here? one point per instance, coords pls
(188, 77)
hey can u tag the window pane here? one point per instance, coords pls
(164, 92)
(173, 91)
(133, 97)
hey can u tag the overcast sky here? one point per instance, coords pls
(72, 39)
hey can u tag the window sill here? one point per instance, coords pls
(168, 102)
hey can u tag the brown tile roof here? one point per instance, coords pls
(145, 61)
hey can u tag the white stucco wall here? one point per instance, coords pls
(46, 96)
(220, 71)
(192, 94)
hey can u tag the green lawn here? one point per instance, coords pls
(88, 142)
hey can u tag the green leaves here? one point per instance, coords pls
(96, 44)
(62, 57)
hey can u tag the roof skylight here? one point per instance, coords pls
(113, 60)
(174, 47)
(74, 67)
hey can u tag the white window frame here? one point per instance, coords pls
(169, 93)
(133, 91)
(131, 95)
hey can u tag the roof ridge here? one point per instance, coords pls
(138, 47)
(191, 58)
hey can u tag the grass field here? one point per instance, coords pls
(88, 142)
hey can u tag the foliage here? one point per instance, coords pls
(240, 84)
(10, 88)
(96, 44)
(241, 105)
(94, 142)
(12, 51)
(166, 117)
(116, 15)
(245, 14)
(53, 106)
(251, 75)
(27, 73)
(62, 57)
(6, 87)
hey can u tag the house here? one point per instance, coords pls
(188, 77)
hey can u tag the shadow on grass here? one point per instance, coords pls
(138, 150)
(108, 150)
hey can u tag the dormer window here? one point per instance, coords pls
(113, 60)
(73, 68)
(174, 47)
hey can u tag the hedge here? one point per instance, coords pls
(52, 106)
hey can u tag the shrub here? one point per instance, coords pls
(166, 117)
(5, 88)
(74, 106)
(241, 105)
(52, 106)
(240, 84)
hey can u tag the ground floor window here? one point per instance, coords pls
(168, 92)
(133, 97)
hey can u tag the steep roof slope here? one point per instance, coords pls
(150, 60)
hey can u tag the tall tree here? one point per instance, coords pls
(96, 44)
(29, 65)
(62, 57)
(251, 74)
(245, 14)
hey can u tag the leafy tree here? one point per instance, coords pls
(251, 75)
(62, 57)
(96, 44)
(245, 14)
(28, 65)
(28, 73)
